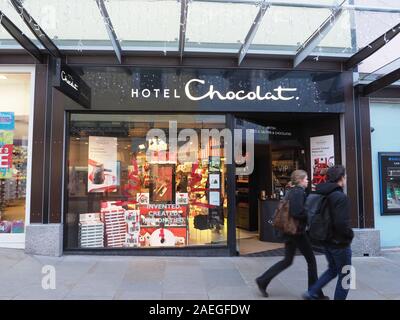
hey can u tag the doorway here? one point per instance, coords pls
(282, 144)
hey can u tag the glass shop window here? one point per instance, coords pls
(14, 131)
(135, 181)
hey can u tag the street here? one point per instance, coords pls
(178, 278)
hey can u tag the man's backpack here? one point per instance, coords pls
(319, 220)
(283, 221)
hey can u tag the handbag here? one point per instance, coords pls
(201, 222)
(283, 221)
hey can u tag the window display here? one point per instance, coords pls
(128, 188)
(14, 130)
(389, 164)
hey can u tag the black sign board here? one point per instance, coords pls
(72, 85)
(389, 168)
(216, 90)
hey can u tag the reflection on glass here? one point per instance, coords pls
(74, 23)
(130, 189)
(6, 39)
(218, 25)
(14, 120)
(146, 23)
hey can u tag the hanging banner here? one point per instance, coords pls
(6, 154)
(322, 151)
(102, 164)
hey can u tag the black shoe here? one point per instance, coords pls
(261, 288)
(323, 297)
(307, 296)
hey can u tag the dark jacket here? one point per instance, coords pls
(339, 208)
(297, 197)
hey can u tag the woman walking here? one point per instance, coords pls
(296, 196)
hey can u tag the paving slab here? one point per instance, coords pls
(180, 278)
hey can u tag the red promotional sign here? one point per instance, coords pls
(6, 153)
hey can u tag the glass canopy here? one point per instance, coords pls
(207, 26)
(6, 40)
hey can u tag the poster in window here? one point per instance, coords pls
(7, 121)
(6, 154)
(163, 225)
(214, 164)
(214, 180)
(322, 154)
(214, 198)
(162, 183)
(389, 168)
(102, 164)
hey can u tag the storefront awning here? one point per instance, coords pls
(295, 29)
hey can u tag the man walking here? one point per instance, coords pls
(337, 246)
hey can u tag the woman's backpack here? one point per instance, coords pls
(283, 221)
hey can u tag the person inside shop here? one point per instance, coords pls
(296, 197)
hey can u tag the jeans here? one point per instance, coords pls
(337, 259)
(303, 244)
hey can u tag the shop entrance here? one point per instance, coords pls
(282, 144)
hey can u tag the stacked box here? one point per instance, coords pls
(132, 218)
(113, 218)
(91, 231)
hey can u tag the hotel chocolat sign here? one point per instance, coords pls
(72, 85)
(215, 90)
(279, 93)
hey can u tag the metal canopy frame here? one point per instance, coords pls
(312, 42)
(182, 27)
(302, 53)
(110, 29)
(36, 29)
(21, 38)
(252, 31)
(371, 48)
(381, 83)
(305, 4)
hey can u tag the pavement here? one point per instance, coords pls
(25, 276)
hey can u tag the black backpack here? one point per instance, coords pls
(319, 220)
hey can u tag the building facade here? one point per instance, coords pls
(110, 155)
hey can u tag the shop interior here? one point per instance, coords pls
(282, 145)
(14, 131)
(126, 190)
(129, 190)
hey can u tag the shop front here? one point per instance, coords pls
(16, 108)
(184, 161)
(385, 155)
